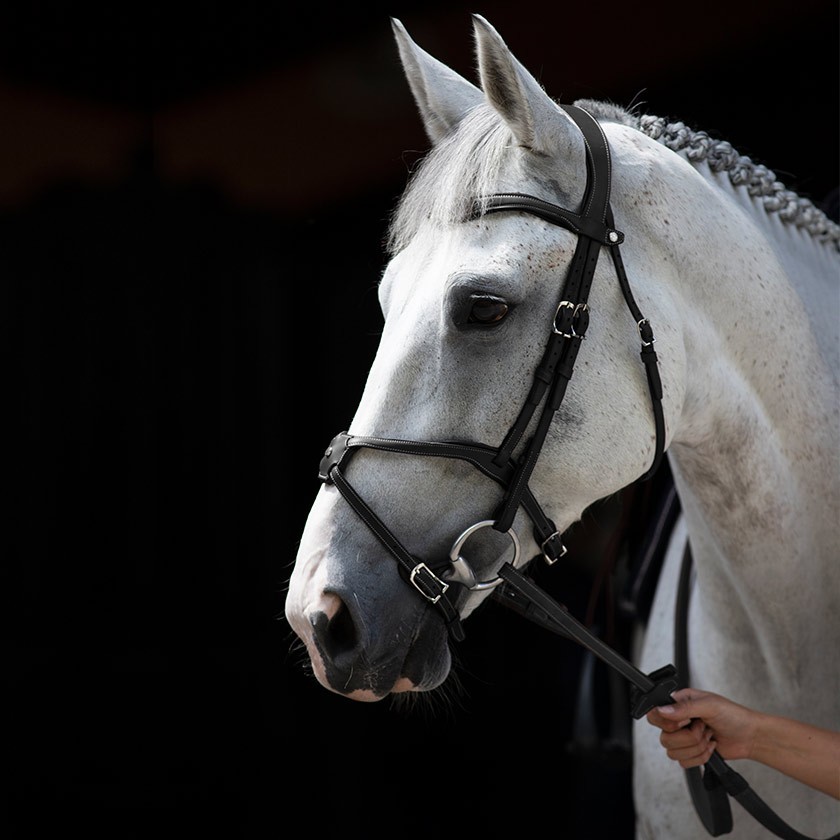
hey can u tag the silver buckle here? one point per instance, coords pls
(578, 308)
(418, 569)
(552, 560)
(639, 326)
(564, 304)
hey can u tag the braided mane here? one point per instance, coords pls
(761, 182)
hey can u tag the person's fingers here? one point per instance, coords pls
(689, 703)
(690, 746)
(686, 738)
(700, 758)
(666, 723)
(683, 694)
(673, 725)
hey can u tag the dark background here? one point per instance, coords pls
(192, 202)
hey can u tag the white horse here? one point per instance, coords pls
(739, 278)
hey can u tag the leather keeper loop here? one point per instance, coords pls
(650, 360)
(333, 456)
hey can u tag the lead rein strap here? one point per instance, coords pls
(526, 598)
(705, 788)
(648, 691)
(709, 787)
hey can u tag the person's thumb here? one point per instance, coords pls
(685, 707)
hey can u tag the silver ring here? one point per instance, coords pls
(462, 572)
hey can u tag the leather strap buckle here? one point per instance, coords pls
(571, 319)
(646, 333)
(551, 559)
(563, 319)
(427, 583)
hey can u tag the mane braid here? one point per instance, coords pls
(760, 181)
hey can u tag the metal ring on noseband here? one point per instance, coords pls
(461, 571)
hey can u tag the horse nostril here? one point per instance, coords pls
(336, 634)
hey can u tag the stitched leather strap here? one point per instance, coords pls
(649, 359)
(480, 456)
(558, 362)
(710, 788)
(529, 600)
(592, 228)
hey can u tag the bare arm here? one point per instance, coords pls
(699, 722)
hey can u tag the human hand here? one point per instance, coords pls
(699, 722)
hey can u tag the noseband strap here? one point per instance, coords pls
(595, 229)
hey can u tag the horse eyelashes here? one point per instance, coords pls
(486, 310)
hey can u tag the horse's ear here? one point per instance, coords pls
(519, 98)
(443, 97)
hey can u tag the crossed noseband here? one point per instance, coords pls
(438, 580)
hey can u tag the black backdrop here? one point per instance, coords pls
(192, 208)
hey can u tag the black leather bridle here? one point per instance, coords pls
(595, 229)
(436, 580)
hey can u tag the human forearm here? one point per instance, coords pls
(804, 752)
(700, 722)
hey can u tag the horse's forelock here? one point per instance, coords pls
(443, 188)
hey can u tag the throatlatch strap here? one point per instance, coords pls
(558, 361)
(648, 356)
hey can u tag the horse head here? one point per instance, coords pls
(468, 300)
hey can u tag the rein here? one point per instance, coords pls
(438, 581)
(709, 788)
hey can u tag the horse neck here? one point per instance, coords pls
(755, 447)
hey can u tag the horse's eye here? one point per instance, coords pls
(487, 310)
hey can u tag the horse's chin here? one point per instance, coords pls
(402, 686)
(432, 677)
